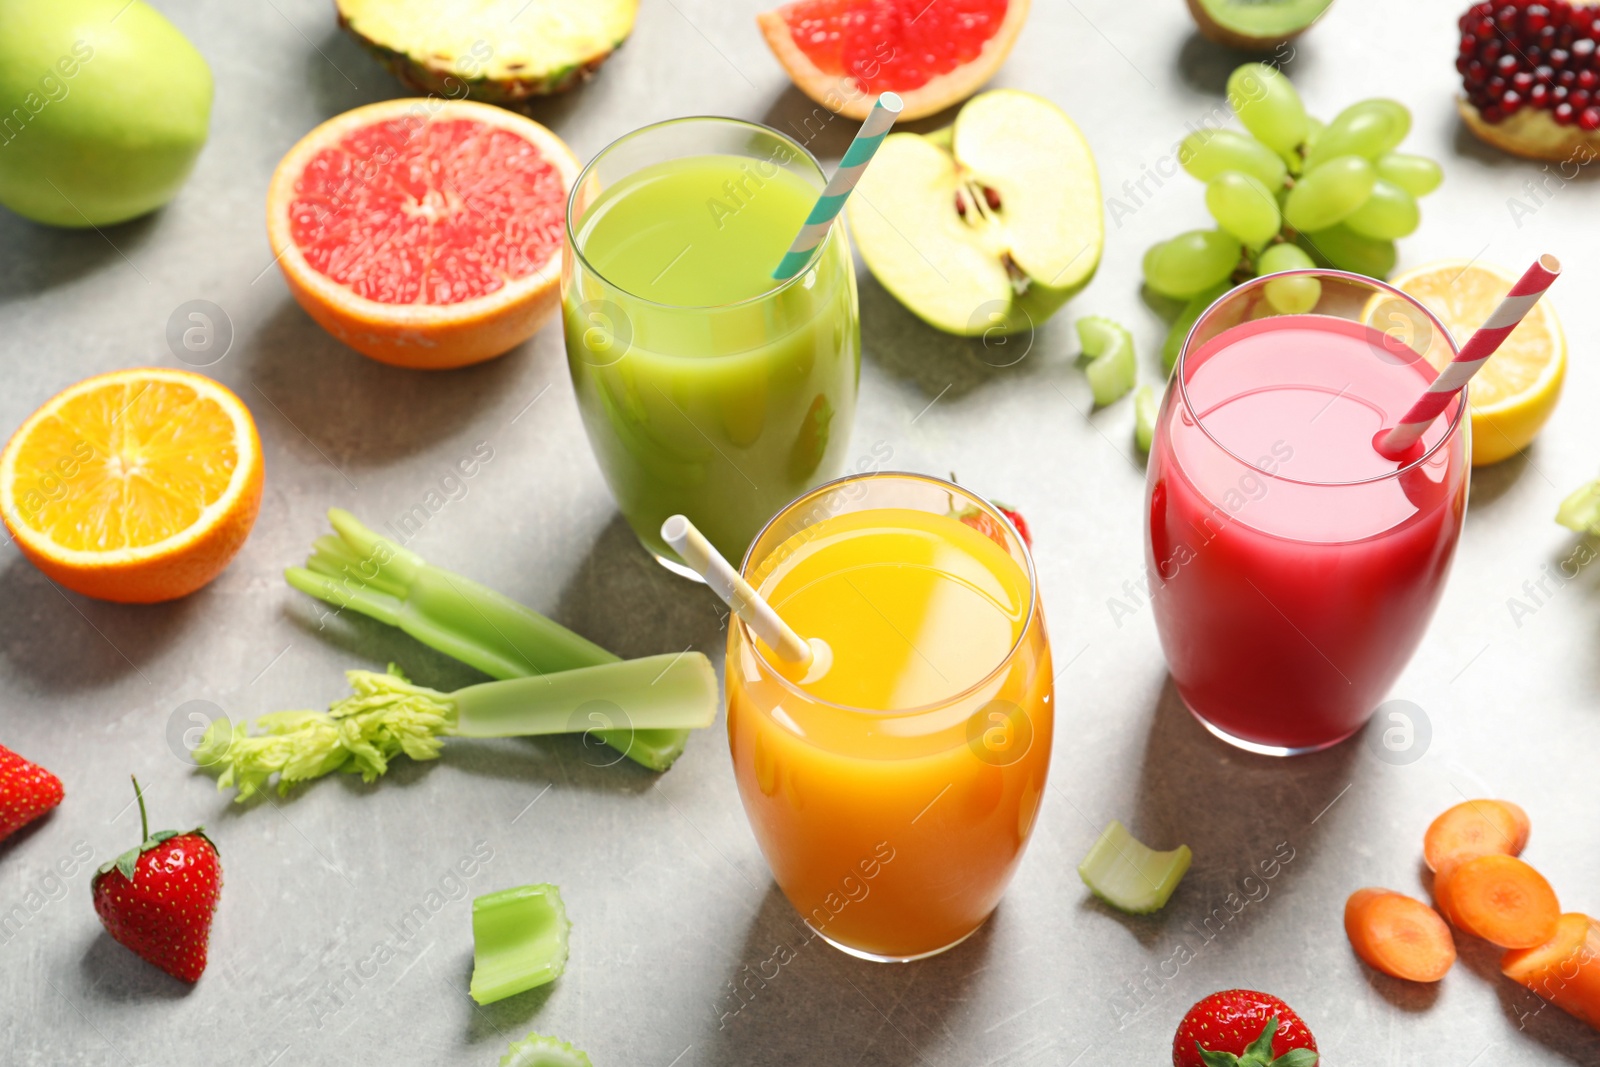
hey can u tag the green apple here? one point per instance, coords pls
(991, 234)
(104, 106)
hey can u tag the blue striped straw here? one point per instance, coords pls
(884, 111)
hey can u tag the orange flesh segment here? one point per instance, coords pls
(1475, 828)
(1500, 899)
(125, 466)
(1564, 970)
(1399, 936)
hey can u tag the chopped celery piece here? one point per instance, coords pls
(1172, 347)
(1581, 509)
(503, 639)
(1144, 417)
(536, 1050)
(1129, 875)
(519, 941)
(1109, 346)
(387, 715)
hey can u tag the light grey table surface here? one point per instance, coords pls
(669, 896)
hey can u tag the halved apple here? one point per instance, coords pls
(993, 234)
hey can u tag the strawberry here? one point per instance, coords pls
(27, 791)
(1016, 519)
(158, 898)
(1243, 1028)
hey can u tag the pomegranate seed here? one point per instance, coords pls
(1522, 81)
(1535, 18)
(1583, 51)
(1559, 57)
(1579, 99)
(1559, 94)
(1490, 52)
(1544, 72)
(1506, 16)
(1506, 65)
(1567, 79)
(1469, 46)
(1587, 80)
(1511, 102)
(1589, 121)
(1492, 114)
(1562, 114)
(1483, 30)
(1539, 96)
(1495, 88)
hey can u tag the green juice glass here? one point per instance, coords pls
(707, 388)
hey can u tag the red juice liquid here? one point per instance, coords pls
(1292, 569)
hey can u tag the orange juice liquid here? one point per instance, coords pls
(893, 795)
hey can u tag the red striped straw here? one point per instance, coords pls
(1394, 443)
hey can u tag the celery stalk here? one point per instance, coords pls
(1129, 875)
(519, 941)
(386, 715)
(464, 620)
(1113, 369)
(1580, 511)
(1144, 417)
(537, 1050)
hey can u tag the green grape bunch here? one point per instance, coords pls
(1292, 192)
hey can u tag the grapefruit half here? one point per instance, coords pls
(424, 233)
(934, 53)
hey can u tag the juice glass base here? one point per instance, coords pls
(1259, 749)
(872, 957)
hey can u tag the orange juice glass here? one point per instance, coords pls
(892, 784)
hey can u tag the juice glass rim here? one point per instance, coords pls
(765, 294)
(875, 714)
(1458, 406)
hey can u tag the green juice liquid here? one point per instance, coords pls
(707, 388)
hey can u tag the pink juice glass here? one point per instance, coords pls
(1292, 568)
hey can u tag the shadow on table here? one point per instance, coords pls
(791, 998)
(1205, 65)
(1537, 1020)
(112, 973)
(1241, 814)
(623, 600)
(943, 364)
(39, 257)
(354, 411)
(1489, 484)
(65, 642)
(340, 75)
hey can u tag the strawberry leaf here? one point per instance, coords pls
(1216, 1059)
(1260, 1050)
(127, 862)
(1296, 1057)
(156, 838)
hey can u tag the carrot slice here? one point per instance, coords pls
(1500, 899)
(1475, 828)
(1564, 970)
(1399, 936)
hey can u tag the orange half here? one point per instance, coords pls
(134, 486)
